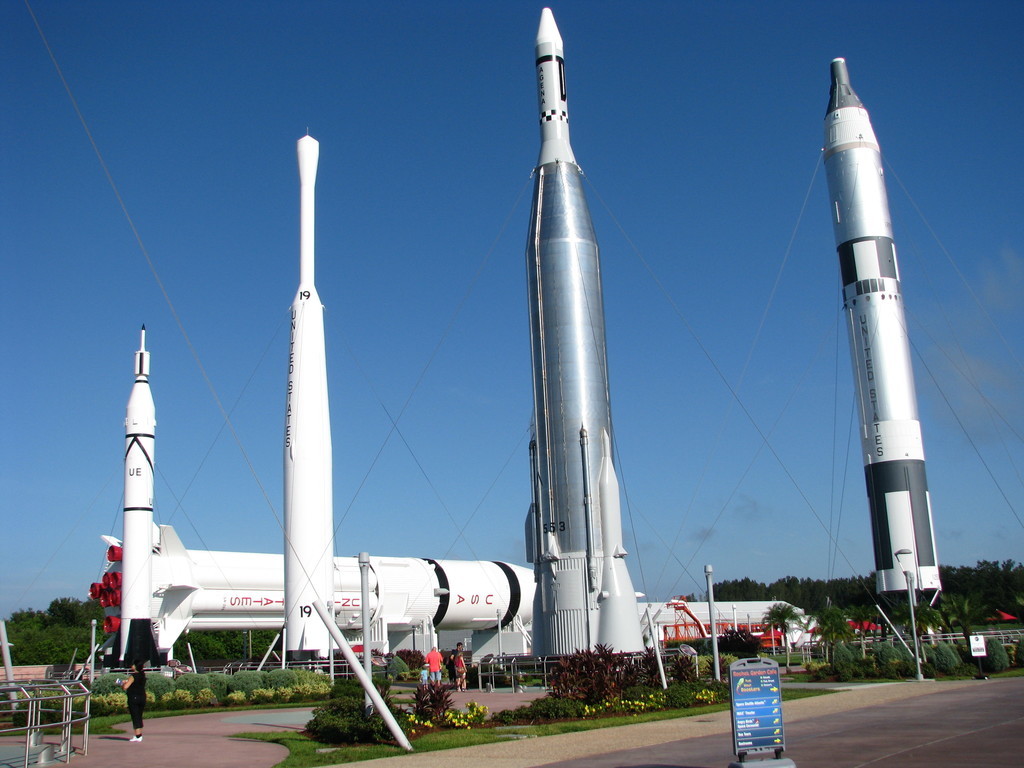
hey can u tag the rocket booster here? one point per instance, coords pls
(570, 389)
(308, 498)
(136, 631)
(197, 590)
(891, 442)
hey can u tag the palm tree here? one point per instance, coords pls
(832, 628)
(783, 616)
(964, 612)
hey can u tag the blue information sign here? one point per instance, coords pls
(756, 706)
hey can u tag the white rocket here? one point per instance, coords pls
(197, 590)
(892, 449)
(308, 497)
(136, 629)
(574, 533)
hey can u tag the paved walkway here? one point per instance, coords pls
(885, 725)
(961, 724)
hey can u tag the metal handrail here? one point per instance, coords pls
(39, 697)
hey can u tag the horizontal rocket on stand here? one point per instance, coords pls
(197, 590)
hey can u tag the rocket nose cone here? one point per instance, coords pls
(547, 32)
(840, 74)
(308, 150)
(841, 93)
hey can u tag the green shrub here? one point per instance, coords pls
(159, 685)
(995, 658)
(219, 684)
(818, 670)
(681, 695)
(177, 700)
(346, 688)
(236, 698)
(262, 696)
(192, 683)
(892, 660)
(309, 677)
(546, 708)
(1019, 656)
(944, 658)
(107, 683)
(247, 682)
(343, 721)
(639, 691)
(844, 654)
(702, 646)
(206, 698)
(315, 691)
(108, 704)
(281, 678)
(397, 667)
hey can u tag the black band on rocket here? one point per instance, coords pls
(881, 263)
(515, 596)
(902, 476)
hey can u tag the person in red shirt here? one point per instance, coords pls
(434, 662)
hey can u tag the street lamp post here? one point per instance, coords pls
(911, 595)
(708, 574)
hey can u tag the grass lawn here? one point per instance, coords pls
(303, 751)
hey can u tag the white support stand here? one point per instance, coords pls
(364, 679)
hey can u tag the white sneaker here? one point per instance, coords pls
(135, 738)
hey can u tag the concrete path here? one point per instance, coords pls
(893, 725)
(953, 724)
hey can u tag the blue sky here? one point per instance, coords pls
(698, 126)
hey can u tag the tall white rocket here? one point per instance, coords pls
(136, 629)
(584, 593)
(891, 442)
(308, 498)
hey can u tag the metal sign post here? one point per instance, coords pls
(978, 650)
(756, 695)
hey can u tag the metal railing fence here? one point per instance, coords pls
(29, 708)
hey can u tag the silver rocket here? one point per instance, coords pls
(136, 640)
(584, 593)
(308, 497)
(893, 452)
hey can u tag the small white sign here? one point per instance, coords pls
(978, 645)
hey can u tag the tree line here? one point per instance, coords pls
(995, 585)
